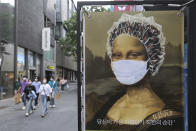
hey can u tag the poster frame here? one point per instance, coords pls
(158, 5)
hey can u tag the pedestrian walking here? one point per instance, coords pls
(58, 83)
(30, 93)
(36, 83)
(66, 83)
(63, 84)
(44, 92)
(17, 85)
(23, 85)
(54, 87)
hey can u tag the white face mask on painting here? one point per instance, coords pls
(129, 72)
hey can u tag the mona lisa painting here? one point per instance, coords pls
(134, 71)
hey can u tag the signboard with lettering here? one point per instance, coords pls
(46, 39)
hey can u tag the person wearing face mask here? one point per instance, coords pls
(17, 86)
(37, 85)
(23, 85)
(30, 93)
(53, 85)
(136, 49)
(44, 91)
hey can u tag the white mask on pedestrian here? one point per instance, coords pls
(129, 72)
(44, 81)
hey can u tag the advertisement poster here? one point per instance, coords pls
(134, 71)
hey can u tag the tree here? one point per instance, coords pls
(95, 9)
(69, 43)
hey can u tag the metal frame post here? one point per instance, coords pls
(191, 66)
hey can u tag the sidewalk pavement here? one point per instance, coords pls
(9, 102)
(63, 117)
(6, 103)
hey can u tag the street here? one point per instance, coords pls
(61, 118)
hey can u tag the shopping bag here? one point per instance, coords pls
(67, 86)
(58, 95)
(17, 98)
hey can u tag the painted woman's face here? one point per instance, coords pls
(127, 47)
(129, 60)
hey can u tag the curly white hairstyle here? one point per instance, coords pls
(148, 32)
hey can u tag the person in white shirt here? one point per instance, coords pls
(63, 83)
(44, 92)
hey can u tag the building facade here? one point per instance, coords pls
(21, 53)
(7, 36)
(66, 66)
(49, 61)
(29, 24)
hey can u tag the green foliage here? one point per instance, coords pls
(69, 43)
(95, 9)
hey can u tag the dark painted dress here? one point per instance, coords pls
(167, 119)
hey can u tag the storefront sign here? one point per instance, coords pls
(51, 67)
(46, 39)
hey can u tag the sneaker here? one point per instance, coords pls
(26, 114)
(50, 106)
(42, 116)
(53, 106)
(23, 108)
(30, 112)
(46, 113)
(34, 107)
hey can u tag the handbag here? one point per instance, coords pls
(58, 95)
(67, 86)
(17, 98)
(48, 98)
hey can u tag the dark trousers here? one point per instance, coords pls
(62, 87)
(24, 99)
(36, 100)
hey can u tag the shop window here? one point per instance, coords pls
(31, 59)
(49, 55)
(38, 65)
(20, 59)
(7, 71)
